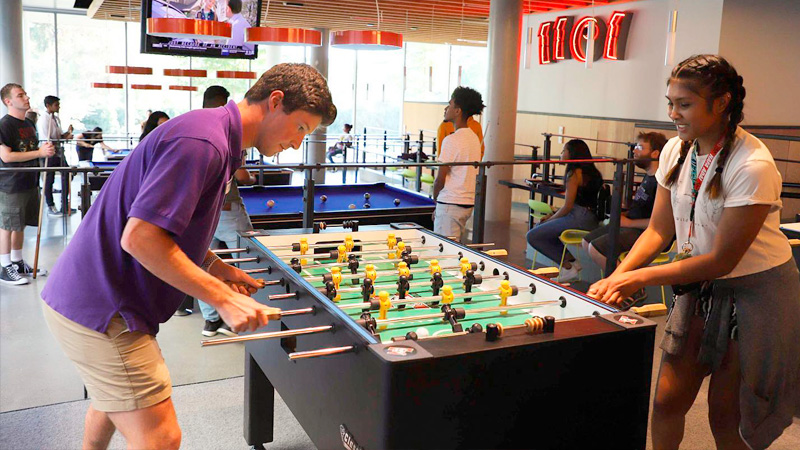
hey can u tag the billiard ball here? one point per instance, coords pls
(367, 205)
(270, 203)
(324, 198)
(352, 206)
(367, 196)
(396, 202)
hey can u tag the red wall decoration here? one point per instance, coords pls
(562, 39)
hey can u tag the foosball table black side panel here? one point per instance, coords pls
(586, 386)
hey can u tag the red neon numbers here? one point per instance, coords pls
(545, 44)
(617, 36)
(562, 39)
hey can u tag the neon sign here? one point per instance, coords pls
(561, 39)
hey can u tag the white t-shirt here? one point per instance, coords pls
(749, 178)
(459, 186)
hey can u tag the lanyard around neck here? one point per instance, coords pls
(697, 179)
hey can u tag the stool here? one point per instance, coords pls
(570, 237)
(662, 258)
(538, 210)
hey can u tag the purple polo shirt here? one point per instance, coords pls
(175, 179)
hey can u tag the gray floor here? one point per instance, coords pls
(35, 373)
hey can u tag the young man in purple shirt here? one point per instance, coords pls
(145, 241)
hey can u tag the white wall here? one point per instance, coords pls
(762, 40)
(629, 89)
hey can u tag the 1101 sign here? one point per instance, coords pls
(564, 38)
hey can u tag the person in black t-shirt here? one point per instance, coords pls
(85, 142)
(635, 220)
(19, 191)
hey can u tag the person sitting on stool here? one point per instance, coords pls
(583, 183)
(345, 141)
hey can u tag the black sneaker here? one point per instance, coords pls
(51, 210)
(25, 270)
(218, 326)
(635, 300)
(9, 275)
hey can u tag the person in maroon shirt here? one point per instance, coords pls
(145, 242)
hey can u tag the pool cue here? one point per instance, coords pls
(41, 205)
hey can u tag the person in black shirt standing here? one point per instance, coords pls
(19, 191)
(635, 220)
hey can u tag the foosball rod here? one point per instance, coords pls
(267, 335)
(350, 276)
(295, 245)
(314, 265)
(438, 298)
(334, 254)
(228, 251)
(410, 285)
(471, 311)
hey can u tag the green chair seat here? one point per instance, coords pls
(410, 174)
(427, 178)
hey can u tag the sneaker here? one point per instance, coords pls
(9, 275)
(634, 300)
(573, 273)
(217, 326)
(183, 312)
(26, 271)
(51, 210)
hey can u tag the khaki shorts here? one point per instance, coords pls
(19, 209)
(123, 370)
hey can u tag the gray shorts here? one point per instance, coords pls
(19, 209)
(599, 239)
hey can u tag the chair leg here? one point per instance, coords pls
(533, 263)
(563, 253)
(663, 297)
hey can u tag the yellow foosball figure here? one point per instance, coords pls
(465, 266)
(349, 243)
(369, 272)
(435, 267)
(342, 254)
(398, 253)
(447, 294)
(505, 292)
(385, 305)
(403, 270)
(336, 277)
(303, 250)
(391, 241)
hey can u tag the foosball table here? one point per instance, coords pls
(394, 337)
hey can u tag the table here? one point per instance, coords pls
(372, 385)
(97, 180)
(548, 190)
(288, 209)
(119, 156)
(269, 177)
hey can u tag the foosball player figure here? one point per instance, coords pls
(505, 292)
(331, 292)
(403, 270)
(391, 241)
(370, 272)
(367, 289)
(453, 315)
(303, 247)
(410, 259)
(353, 264)
(465, 266)
(336, 279)
(342, 254)
(349, 243)
(435, 267)
(294, 263)
(436, 283)
(398, 251)
(368, 322)
(386, 304)
(469, 281)
(403, 286)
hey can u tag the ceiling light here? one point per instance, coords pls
(283, 36)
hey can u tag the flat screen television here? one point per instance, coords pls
(220, 10)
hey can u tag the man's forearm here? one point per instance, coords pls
(12, 157)
(159, 254)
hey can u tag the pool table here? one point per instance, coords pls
(97, 180)
(119, 156)
(287, 212)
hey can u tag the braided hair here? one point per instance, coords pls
(716, 74)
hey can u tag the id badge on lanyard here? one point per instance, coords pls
(697, 182)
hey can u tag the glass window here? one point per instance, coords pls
(427, 72)
(379, 93)
(473, 64)
(341, 81)
(39, 50)
(85, 47)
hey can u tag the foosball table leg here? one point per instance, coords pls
(259, 405)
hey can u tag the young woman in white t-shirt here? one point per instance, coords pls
(738, 315)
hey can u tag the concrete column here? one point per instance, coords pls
(11, 43)
(316, 150)
(505, 29)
